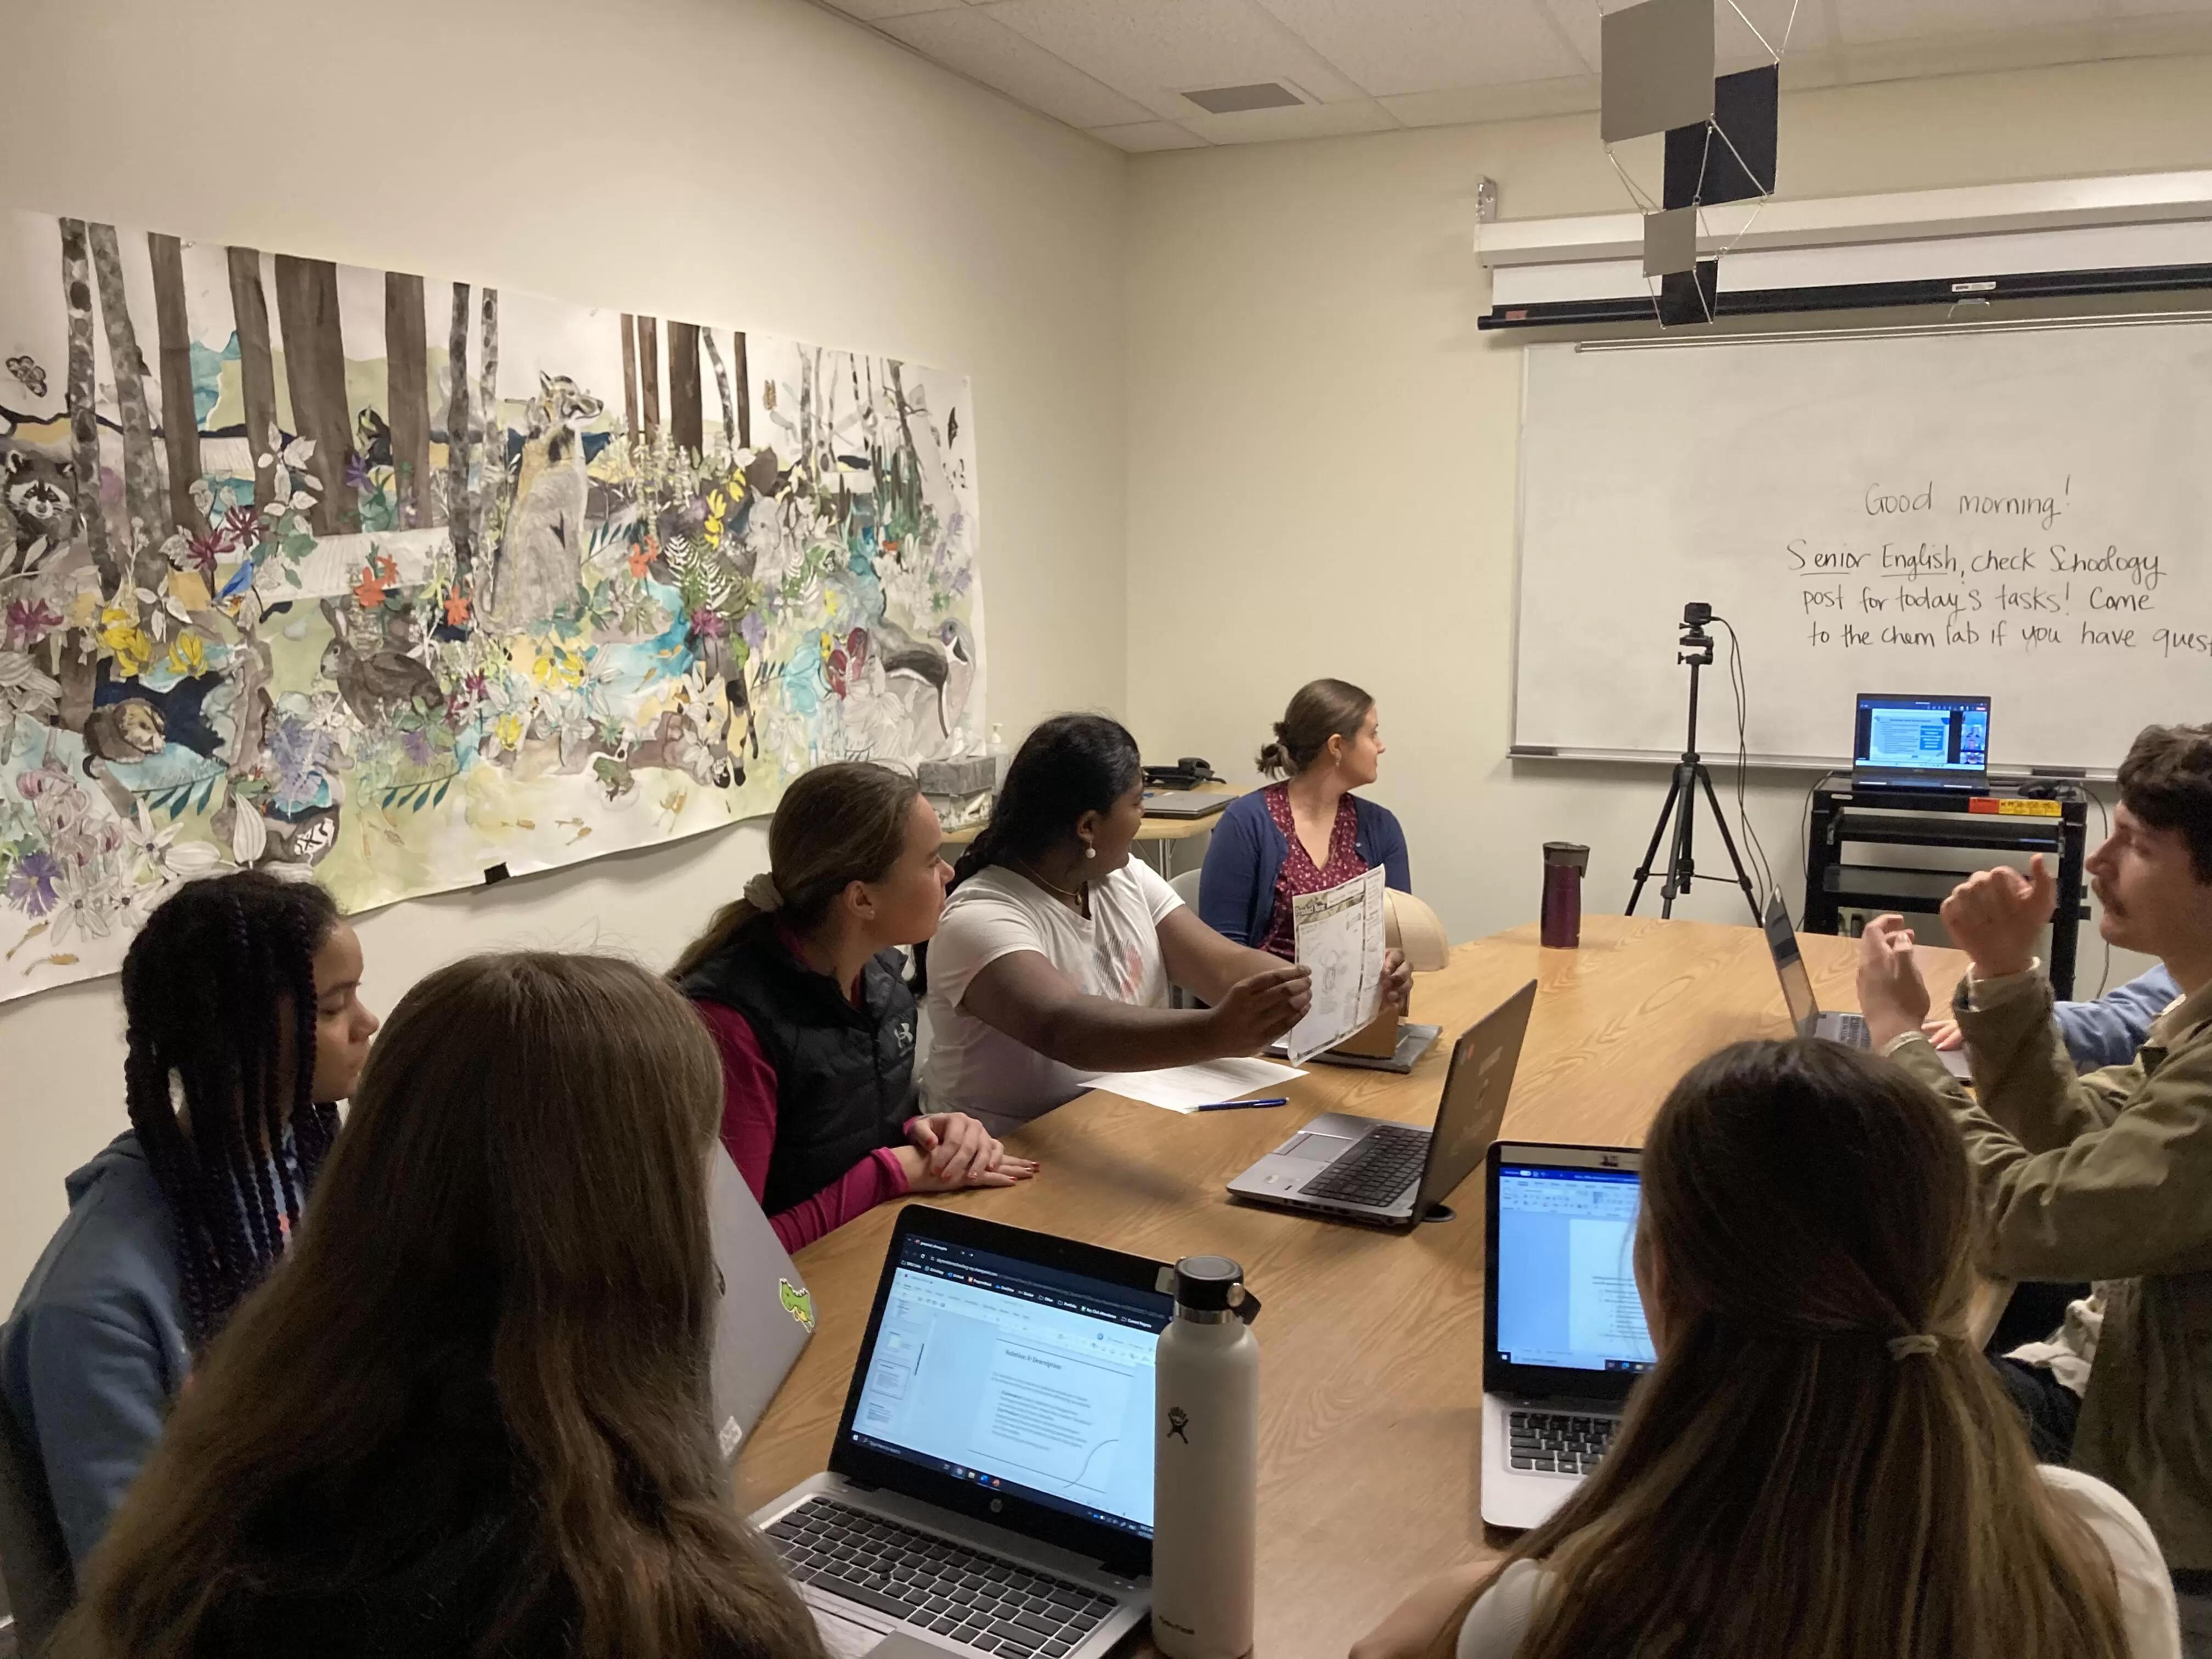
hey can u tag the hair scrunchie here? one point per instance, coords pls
(1903, 1347)
(761, 893)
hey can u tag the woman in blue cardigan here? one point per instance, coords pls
(1309, 832)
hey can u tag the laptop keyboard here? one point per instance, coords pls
(1560, 1442)
(932, 1583)
(1386, 1161)
(1851, 1031)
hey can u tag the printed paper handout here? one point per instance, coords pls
(1339, 937)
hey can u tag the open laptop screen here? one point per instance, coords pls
(1566, 1289)
(1016, 1377)
(1937, 736)
(1789, 965)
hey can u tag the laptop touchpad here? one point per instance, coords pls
(1317, 1149)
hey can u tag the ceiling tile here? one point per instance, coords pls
(1428, 46)
(1305, 121)
(1862, 20)
(1140, 135)
(978, 44)
(874, 11)
(1152, 50)
(1567, 95)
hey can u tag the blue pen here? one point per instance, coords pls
(1239, 1105)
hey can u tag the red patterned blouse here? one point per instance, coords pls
(1298, 874)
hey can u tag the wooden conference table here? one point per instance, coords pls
(1370, 1342)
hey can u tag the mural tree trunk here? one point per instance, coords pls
(142, 474)
(492, 482)
(314, 370)
(648, 365)
(745, 391)
(722, 389)
(687, 425)
(181, 419)
(256, 375)
(457, 439)
(407, 396)
(84, 408)
(629, 373)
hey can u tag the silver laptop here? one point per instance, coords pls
(990, 1488)
(767, 1315)
(1805, 1012)
(1391, 1174)
(1563, 1333)
(1183, 804)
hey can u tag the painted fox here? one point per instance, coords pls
(541, 553)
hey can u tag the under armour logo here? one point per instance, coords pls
(1178, 1420)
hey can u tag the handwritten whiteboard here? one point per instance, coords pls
(2023, 513)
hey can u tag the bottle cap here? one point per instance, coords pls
(1209, 1284)
(1571, 853)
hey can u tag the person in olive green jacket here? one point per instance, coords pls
(2108, 1176)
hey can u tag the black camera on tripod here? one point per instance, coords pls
(1697, 644)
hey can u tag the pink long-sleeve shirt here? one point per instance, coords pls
(749, 1115)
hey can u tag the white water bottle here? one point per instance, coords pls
(1205, 1463)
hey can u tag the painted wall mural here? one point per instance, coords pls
(390, 581)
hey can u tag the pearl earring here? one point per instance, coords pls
(1091, 852)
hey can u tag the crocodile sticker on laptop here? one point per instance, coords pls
(798, 1303)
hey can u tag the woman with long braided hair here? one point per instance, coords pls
(244, 1028)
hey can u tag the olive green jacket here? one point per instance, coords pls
(2105, 1177)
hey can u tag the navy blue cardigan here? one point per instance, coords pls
(1237, 892)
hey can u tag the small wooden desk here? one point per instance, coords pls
(1371, 1376)
(1153, 829)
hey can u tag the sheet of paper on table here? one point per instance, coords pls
(1186, 1088)
(1339, 936)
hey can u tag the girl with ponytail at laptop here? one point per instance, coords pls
(1820, 1465)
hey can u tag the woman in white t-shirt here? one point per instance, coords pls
(1054, 959)
(1818, 1464)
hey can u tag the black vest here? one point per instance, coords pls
(844, 1075)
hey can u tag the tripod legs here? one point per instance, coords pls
(1681, 810)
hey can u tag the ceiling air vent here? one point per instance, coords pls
(1234, 101)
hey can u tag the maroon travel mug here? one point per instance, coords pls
(1564, 864)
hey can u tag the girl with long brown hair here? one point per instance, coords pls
(469, 1414)
(1819, 1466)
(801, 982)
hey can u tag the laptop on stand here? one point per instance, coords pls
(1563, 1333)
(990, 1487)
(1805, 1011)
(1393, 1175)
(1920, 744)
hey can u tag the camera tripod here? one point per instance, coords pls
(1690, 776)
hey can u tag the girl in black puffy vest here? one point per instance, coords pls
(801, 984)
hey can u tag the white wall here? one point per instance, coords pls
(756, 162)
(1323, 450)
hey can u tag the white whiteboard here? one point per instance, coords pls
(2023, 513)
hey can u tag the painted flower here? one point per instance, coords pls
(752, 627)
(120, 633)
(639, 561)
(31, 883)
(708, 623)
(376, 578)
(415, 743)
(457, 608)
(842, 664)
(29, 621)
(560, 669)
(356, 473)
(187, 654)
(510, 729)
